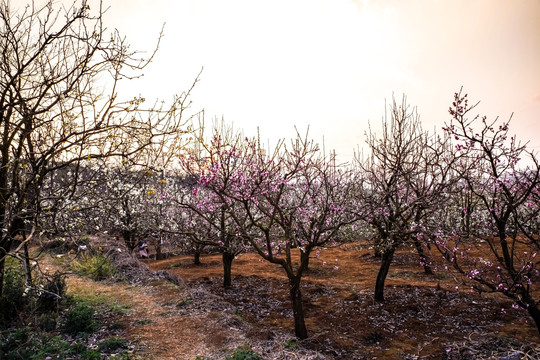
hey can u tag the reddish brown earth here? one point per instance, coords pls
(423, 317)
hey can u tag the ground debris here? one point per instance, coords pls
(483, 346)
(422, 317)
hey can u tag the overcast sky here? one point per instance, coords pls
(330, 64)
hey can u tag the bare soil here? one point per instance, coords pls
(423, 316)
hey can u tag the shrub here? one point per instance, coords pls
(54, 290)
(24, 344)
(17, 345)
(112, 344)
(291, 344)
(13, 300)
(77, 348)
(243, 354)
(122, 356)
(96, 267)
(47, 321)
(50, 346)
(91, 354)
(80, 319)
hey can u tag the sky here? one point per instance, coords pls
(330, 65)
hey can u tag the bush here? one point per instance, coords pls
(17, 345)
(77, 348)
(122, 356)
(54, 290)
(91, 354)
(80, 319)
(50, 346)
(243, 354)
(96, 267)
(24, 344)
(13, 299)
(112, 344)
(291, 344)
(47, 321)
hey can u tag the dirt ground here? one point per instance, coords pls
(423, 316)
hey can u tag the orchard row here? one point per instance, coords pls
(472, 193)
(77, 158)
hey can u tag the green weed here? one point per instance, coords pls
(112, 344)
(243, 354)
(79, 319)
(96, 267)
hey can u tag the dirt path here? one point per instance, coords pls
(159, 319)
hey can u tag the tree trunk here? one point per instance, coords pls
(300, 329)
(386, 260)
(197, 258)
(5, 246)
(377, 253)
(304, 260)
(129, 239)
(227, 265)
(2, 268)
(159, 256)
(424, 260)
(535, 314)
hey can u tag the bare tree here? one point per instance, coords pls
(59, 106)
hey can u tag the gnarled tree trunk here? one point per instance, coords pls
(386, 261)
(535, 314)
(300, 329)
(227, 266)
(197, 258)
(424, 260)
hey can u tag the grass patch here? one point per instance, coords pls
(86, 295)
(91, 354)
(119, 309)
(79, 319)
(26, 344)
(113, 344)
(291, 344)
(243, 353)
(142, 322)
(184, 303)
(96, 267)
(440, 276)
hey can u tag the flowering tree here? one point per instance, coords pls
(401, 180)
(206, 223)
(504, 178)
(204, 215)
(59, 105)
(294, 200)
(193, 235)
